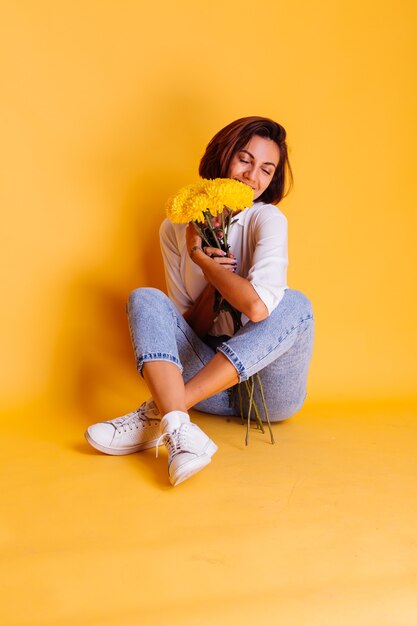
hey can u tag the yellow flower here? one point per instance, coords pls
(190, 203)
(176, 206)
(194, 207)
(231, 193)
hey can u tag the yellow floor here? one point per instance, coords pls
(318, 530)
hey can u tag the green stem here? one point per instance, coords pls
(224, 233)
(201, 233)
(226, 226)
(208, 217)
(240, 403)
(265, 407)
(249, 413)
(255, 406)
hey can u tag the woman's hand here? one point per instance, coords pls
(226, 260)
(194, 244)
(237, 290)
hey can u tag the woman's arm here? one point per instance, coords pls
(236, 290)
(171, 256)
(198, 314)
(201, 315)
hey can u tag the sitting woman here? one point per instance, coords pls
(189, 359)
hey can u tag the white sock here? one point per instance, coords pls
(173, 420)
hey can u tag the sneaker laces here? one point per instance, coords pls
(136, 418)
(171, 441)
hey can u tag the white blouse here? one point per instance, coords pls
(258, 239)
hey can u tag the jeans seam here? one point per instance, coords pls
(189, 342)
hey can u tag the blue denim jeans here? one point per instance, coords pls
(279, 348)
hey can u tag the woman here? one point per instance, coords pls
(189, 360)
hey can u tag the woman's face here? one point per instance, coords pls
(255, 163)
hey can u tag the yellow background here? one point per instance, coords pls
(106, 110)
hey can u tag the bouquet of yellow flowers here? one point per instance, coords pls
(199, 203)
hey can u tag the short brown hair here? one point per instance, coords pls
(221, 149)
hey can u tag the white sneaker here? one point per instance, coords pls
(129, 433)
(189, 449)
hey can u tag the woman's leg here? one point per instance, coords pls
(279, 348)
(168, 352)
(170, 355)
(166, 384)
(182, 371)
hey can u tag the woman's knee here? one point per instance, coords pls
(299, 301)
(146, 297)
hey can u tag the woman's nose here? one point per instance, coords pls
(250, 174)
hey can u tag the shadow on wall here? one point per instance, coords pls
(94, 371)
(93, 351)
